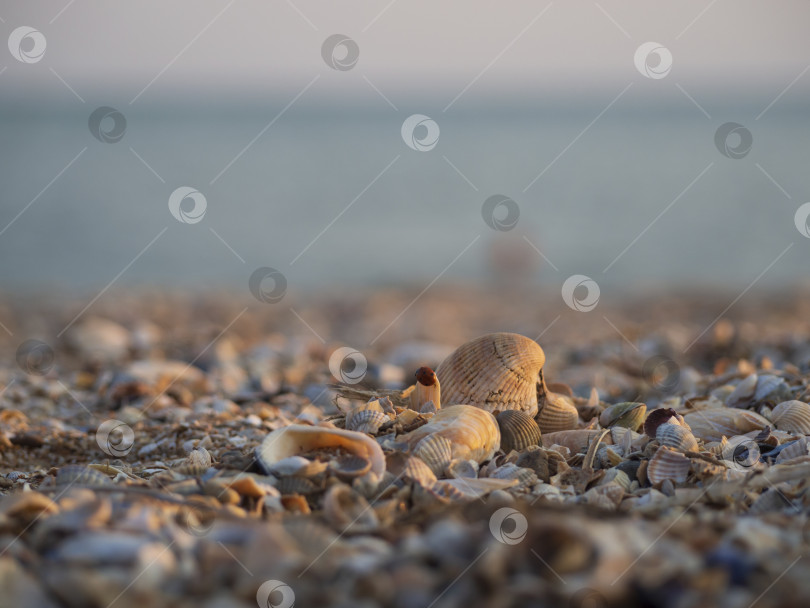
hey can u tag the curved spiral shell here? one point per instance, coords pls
(473, 433)
(500, 371)
(518, 430)
(792, 416)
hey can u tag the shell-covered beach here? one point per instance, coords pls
(206, 450)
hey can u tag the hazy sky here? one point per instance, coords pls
(405, 46)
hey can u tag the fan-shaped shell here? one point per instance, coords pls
(499, 371)
(792, 416)
(677, 437)
(558, 414)
(629, 414)
(473, 433)
(298, 439)
(712, 424)
(667, 463)
(436, 451)
(518, 430)
(366, 421)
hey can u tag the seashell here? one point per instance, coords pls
(558, 414)
(661, 416)
(297, 439)
(471, 489)
(74, 474)
(629, 414)
(196, 463)
(771, 389)
(428, 408)
(617, 476)
(500, 371)
(436, 451)
(792, 416)
(366, 421)
(743, 393)
(246, 484)
(348, 511)
(524, 477)
(713, 423)
(795, 449)
(575, 440)
(427, 389)
(518, 430)
(467, 469)
(473, 433)
(411, 468)
(296, 485)
(677, 437)
(26, 506)
(667, 463)
(350, 466)
(297, 465)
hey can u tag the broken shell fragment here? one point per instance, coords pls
(629, 414)
(298, 439)
(711, 424)
(500, 371)
(518, 430)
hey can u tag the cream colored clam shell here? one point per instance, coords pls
(300, 438)
(497, 371)
(473, 433)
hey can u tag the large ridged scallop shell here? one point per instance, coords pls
(677, 437)
(712, 424)
(436, 451)
(667, 463)
(558, 414)
(472, 432)
(629, 414)
(518, 430)
(299, 438)
(498, 371)
(792, 416)
(366, 421)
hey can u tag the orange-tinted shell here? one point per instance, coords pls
(473, 433)
(497, 371)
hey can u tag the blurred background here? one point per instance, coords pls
(610, 154)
